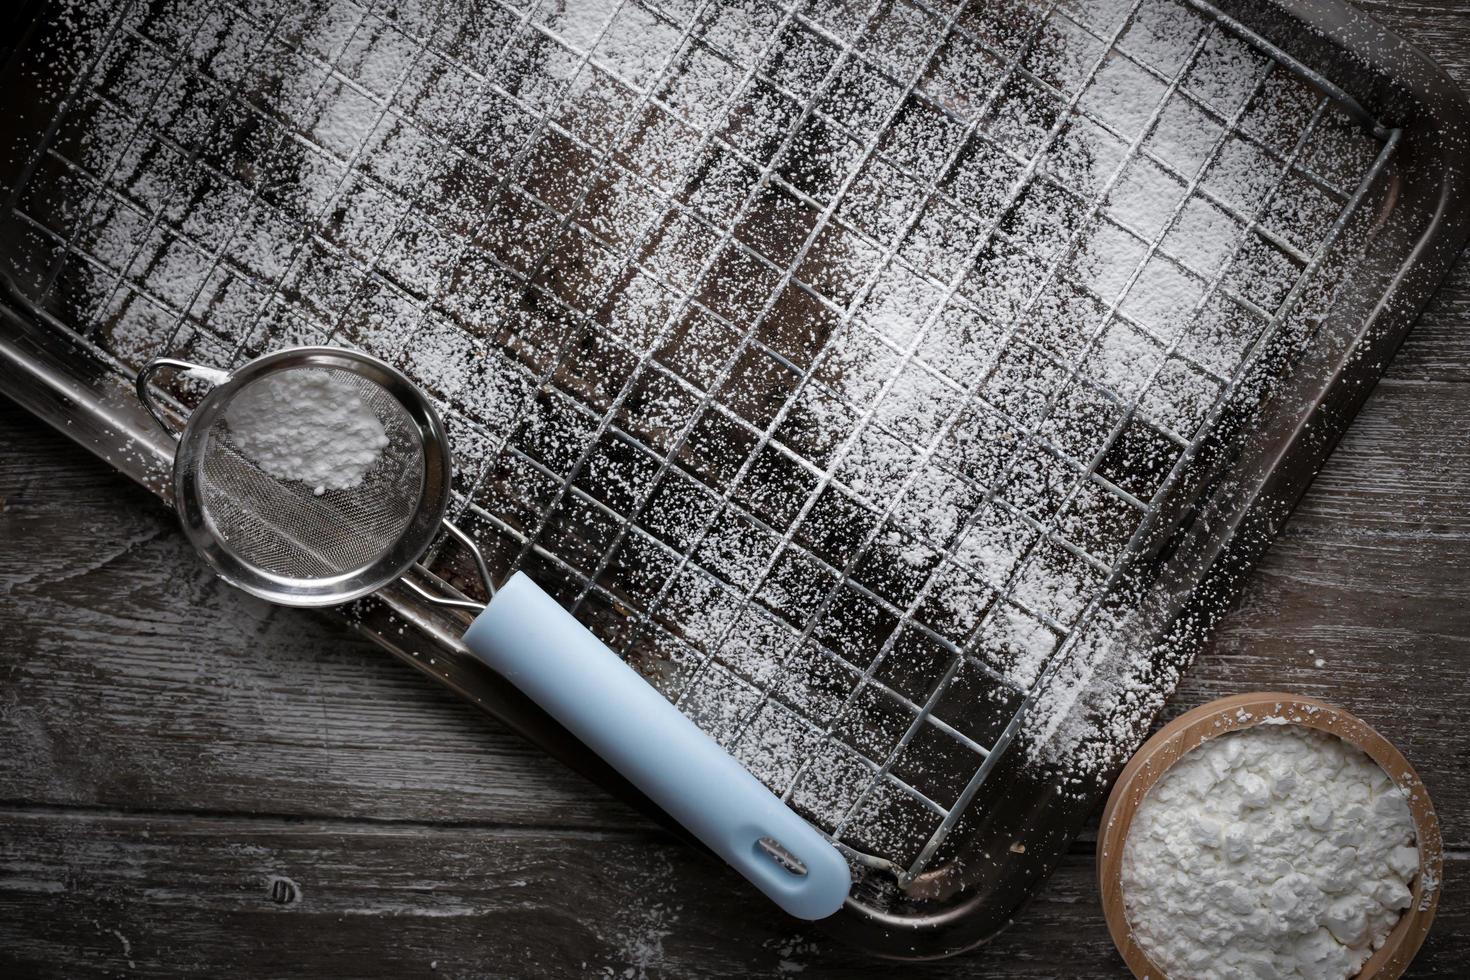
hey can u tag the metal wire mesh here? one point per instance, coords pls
(289, 527)
(825, 358)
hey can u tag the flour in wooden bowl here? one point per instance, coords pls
(1273, 852)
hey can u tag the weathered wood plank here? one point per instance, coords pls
(1438, 348)
(369, 747)
(1437, 27)
(107, 894)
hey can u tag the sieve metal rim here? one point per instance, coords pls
(326, 590)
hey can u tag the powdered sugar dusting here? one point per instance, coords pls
(307, 425)
(825, 361)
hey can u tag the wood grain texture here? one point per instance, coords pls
(168, 746)
(134, 672)
(110, 894)
(146, 825)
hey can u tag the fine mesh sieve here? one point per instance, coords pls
(299, 541)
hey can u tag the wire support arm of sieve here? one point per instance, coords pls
(144, 385)
(480, 564)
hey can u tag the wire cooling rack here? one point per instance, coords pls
(824, 358)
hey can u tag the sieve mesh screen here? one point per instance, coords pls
(285, 526)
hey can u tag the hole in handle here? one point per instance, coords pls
(772, 849)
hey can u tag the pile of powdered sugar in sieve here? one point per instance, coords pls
(1278, 851)
(307, 425)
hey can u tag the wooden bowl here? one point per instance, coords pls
(1243, 711)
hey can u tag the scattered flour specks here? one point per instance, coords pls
(815, 325)
(644, 921)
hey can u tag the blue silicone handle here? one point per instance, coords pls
(537, 645)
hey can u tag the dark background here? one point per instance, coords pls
(192, 781)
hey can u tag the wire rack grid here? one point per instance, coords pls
(855, 589)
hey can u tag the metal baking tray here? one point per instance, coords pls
(902, 387)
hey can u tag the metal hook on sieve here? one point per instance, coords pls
(142, 384)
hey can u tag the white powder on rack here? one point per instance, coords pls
(349, 226)
(307, 425)
(1277, 851)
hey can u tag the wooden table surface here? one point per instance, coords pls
(192, 781)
